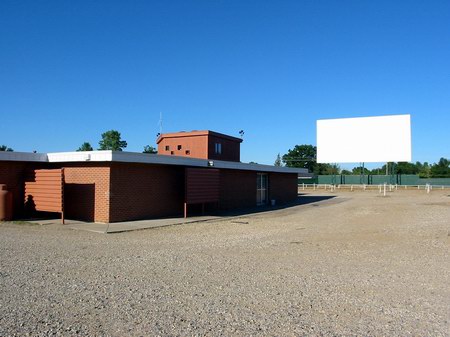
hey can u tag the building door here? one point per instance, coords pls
(261, 189)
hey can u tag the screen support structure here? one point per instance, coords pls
(392, 176)
(361, 174)
(334, 169)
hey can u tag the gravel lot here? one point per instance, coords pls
(354, 265)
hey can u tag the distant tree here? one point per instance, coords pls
(5, 148)
(149, 149)
(111, 140)
(304, 156)
(333, 169)
(440, 169)
(405, 168)
(85, 147)
(424, 170)
(376, 171)
(252, 162)
(278, 160)
(346, 172)
(359, 170)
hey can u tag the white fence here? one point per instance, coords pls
(381, 188)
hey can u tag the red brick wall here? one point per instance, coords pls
(200, 146)
(237, 189)
(283, 187)
(140, 191)
(196, 145)
(105, 192)
(86, 194)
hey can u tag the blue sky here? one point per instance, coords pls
(70, 70)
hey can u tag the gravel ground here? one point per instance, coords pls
(355, 265)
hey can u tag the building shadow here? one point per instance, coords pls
(79, 202)
(301, 200)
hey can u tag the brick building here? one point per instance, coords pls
(200, 144)
(111, 186)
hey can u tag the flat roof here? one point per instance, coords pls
(143, 158)
(196, 133)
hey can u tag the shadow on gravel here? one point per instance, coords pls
(311, 200)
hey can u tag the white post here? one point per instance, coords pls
(384, 194)
(314, 186)
(428, 188)
(303, 185)
(351, 188)
(379, 188)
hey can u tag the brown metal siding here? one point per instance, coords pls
(202, 185)
(44, 190)
(238, 189)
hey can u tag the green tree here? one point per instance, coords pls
(5, 148)
(111, 140)
(406, 168)
(359, 170)
(304, 156)
(332, 169)
(346, 172)
(377, 171)
(440, 169)
(424, 170)
(85, 147)
(278, 160)
(149, 149)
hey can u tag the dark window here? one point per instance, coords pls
(178, 147)
(167, 147)
(218, 148)
(188, 152)
(171, 152)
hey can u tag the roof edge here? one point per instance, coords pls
(23, 156)
(196, 133)
(143, 158)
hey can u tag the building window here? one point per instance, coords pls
(171, 152)
(218, 148)
(167, 148)
(178, 147)
(261, 189)
(188, 152)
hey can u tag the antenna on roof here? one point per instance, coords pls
(242, 134)
(160, 123)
